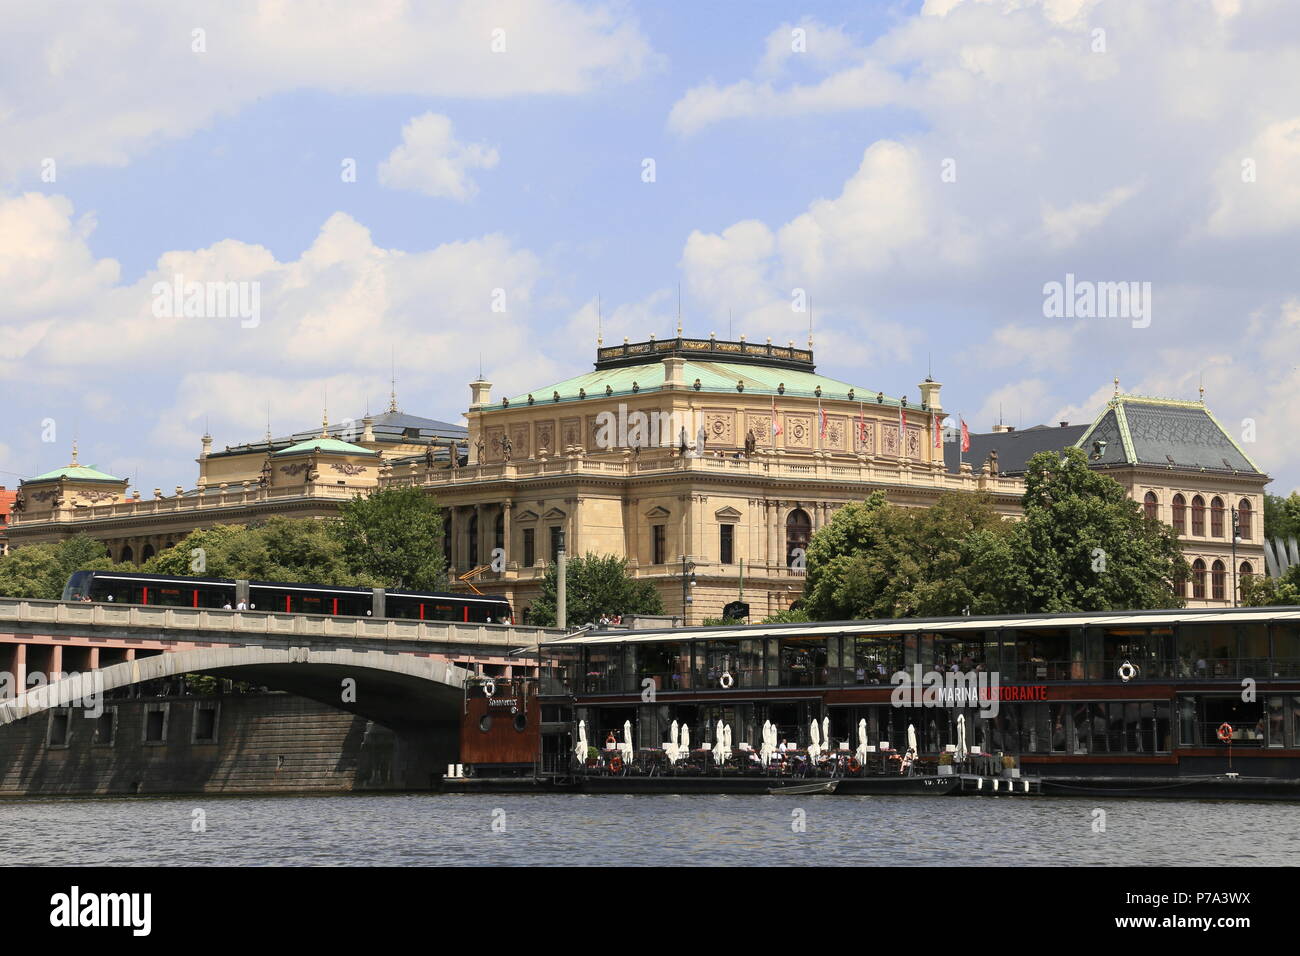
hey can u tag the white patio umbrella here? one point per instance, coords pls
(726, 736)
(719, 754)
(814, 739)
(826, 732)
(672, 733)
(961, 737)
(627, 739)
(862, 741)
(911, 739)
(580, 749)
(685, 744)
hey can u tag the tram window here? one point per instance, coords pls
(1132, 728)
(172, 597)
(1286, 649)
(1207, 650)
(1100, 727)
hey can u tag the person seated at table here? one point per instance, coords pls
(611, 742)
(782, 747)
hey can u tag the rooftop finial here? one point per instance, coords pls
(74, 454)
(679, 310)
(392, 381)
(1117, 386)
(600, 337)
(325, 418)
(810, 321)
(1202, 388)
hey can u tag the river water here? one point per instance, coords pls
(560, 830)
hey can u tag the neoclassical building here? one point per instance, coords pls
(708, 464)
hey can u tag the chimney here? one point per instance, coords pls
(673, 366)
(1065, 424)
(999, 428)
(930, 395)
(479, 393)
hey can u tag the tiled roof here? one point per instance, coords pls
(1014, 448)
(75, 473)
(394, 427)
(1167, 434)
(328, 445)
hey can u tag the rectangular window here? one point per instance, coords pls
(58, 729)
(660, 543)
(105, 724)
(205, 725)
(530, 547)
(726, 543)
(155, 726)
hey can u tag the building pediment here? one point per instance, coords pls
(553, 514)
(727, 514)
(528, 515)
(658, 511)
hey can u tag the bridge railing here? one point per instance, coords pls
(139, 616)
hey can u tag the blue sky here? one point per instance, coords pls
(795, 146)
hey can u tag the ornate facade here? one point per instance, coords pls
(696, 459)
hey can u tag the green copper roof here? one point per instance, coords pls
(714, 377)
(330, 445)
(75, 473)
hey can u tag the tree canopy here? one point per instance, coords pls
(595, 585)
(42, 570)
(1081, 544)
(394, 536)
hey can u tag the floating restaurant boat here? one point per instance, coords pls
(1197, 703)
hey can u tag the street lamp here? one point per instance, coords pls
(688, 582)
(1236, 538)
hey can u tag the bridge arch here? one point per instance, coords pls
(399, 691)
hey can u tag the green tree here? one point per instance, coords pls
(594, 585)
(1084, 545)
(1282, 516)
(42, 570)
(791, 615)
(877, 560)
(1259, 591)
(395, 537)
(293, 550)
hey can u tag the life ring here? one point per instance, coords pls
(726, 680)
(1225, 731)
(1127, 672)
(615, 764)
(854, 766)
(490, 689)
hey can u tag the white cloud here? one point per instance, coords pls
(101, 84)
(330, 320)
(431, 161)
(1257, 186)
(1063, 227)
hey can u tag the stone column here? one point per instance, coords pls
(508, 541)
(20, 668)
(453, 534)
(92, 661)
(773, 510)
(56, 661)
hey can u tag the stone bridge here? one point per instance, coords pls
(405, 675)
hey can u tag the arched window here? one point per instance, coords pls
(1151, 504)
(1198, 579)
(1180, 514)
(127, 556)
(798, 529)
(1198, 515)
(1243, 518)
(147, 553)
(1216, 517)
(1245, 571)
(1218, 581)
(473, 540)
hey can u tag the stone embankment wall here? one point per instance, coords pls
(254, 743)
